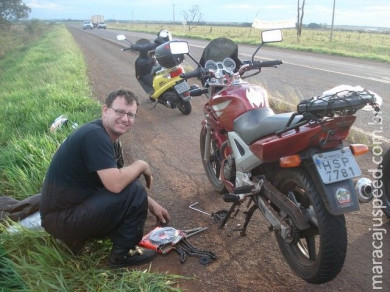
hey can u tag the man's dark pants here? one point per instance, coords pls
(119, 216)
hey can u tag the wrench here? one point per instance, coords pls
(192, 207)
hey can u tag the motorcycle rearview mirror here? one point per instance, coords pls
(269, 36)
(120, 37)
(179, 47)
(272, 36)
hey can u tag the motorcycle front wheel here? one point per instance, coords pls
(385, 197)
(184, 107)
(317, 254)
(213, 165)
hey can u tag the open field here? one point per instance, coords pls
(367, 45)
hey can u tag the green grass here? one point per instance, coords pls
(367, 45)
(39, 84)
(31, 260)
(41, 79)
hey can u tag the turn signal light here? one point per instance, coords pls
(290, 161)
(358, 149)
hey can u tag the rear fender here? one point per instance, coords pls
(339, 197)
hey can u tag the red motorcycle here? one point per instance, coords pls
(293, 167)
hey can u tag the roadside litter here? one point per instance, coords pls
(30, 222)
(62, 121)
(24, 212)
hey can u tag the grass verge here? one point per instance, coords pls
(40, 81)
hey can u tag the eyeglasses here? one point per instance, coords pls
(121, 113)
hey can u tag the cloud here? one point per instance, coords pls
(240, 6)
(40, 5)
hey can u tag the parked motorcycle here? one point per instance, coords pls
(293, 167)
(158, 72)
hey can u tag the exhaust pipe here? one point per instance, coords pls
(364, 190)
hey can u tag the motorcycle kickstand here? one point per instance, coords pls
(229, 213)
(248, 215)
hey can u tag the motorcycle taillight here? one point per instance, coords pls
(176, 72)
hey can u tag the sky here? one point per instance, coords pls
(374, 13)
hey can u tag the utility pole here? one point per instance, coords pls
(331, 30)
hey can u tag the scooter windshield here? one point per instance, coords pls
(219, 49)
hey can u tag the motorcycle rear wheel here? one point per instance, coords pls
(184, 107)
(316, 255)
(213, 165)
(385, 198)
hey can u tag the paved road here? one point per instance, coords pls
(304, 75)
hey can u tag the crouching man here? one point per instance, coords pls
(86, 195)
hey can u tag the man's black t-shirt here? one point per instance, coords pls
(72, 176)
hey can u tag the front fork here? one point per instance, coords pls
(207, 144)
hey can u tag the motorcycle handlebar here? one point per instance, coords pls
(198, 91)
(196, 73)
(272, 63)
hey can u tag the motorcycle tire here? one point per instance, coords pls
(317, 254)
(213, 166)
(185, 107)
(385, 197)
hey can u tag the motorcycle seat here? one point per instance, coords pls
(261, 122)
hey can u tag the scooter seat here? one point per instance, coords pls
(261, 122)
(155, 69)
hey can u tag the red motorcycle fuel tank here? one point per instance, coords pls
(235, 100)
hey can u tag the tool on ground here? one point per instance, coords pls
(193, 208)
(164, 239)
(184, 248)
(218, 216)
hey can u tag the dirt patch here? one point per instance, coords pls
(169, 141)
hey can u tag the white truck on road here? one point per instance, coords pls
(96, 19)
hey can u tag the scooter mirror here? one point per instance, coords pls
(120, 37)
(179, 47)
(271, 36)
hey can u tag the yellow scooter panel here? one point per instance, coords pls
(162, 82)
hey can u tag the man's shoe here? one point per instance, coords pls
(137, 256)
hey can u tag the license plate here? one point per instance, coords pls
(182, 87)
(336, 165)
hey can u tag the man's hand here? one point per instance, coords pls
(162, 215)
